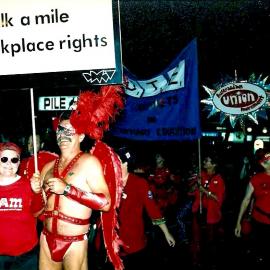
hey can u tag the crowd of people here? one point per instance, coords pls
(155, 212)
(46, 214)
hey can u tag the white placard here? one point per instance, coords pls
(55, 36)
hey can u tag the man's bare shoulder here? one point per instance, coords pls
(48, 166)
(90, 160)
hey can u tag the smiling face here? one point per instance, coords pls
(66, 135)
(65, 132)
(9, 163)
(208, 164)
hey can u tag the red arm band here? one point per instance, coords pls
(94, 201)
(37, 203)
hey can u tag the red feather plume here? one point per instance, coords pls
(113, 175)
(95, 111)
(55, 123)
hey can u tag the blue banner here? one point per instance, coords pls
(165, 107)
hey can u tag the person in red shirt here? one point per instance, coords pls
(207, 211)
(259, 189)
(161, 183)
(21, 201)
(136, 197)
(27, 166)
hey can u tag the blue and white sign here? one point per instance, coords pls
(165, 107)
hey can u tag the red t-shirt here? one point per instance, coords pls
(261, 185)
(18, 232)
(136, 197)
(215, 185)
(27, 166)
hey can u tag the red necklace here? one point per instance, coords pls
(67, 168)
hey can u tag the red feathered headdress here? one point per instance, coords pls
(95, 111)
(55, 123)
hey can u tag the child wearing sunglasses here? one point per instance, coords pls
(21, 201)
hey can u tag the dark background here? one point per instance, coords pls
(231, 35)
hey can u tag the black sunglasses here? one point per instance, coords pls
(13, 160)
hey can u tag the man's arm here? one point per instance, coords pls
(38, 187)
(96, 181)
(208, 193)
(169, 238)
(154, 212)
(95, 201)
(161, 223)
(243, 209)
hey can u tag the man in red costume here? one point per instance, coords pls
(75, 184)
(21, 201)
(259, 189)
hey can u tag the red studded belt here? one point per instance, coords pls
(60, 215)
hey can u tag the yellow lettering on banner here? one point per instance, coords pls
(136, 132)
(176, 131)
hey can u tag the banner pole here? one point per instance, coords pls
(33, 129)
(199, 171)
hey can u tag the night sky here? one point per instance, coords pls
(231, 35)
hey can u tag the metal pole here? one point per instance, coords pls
(199, 171)
(34, 129)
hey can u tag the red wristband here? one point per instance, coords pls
(95, 201)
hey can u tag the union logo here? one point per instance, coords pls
(239, 101)
(239, 98)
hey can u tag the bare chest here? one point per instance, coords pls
(74, 176)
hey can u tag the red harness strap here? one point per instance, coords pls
(55, 210)
(66, 218)
(55, 216)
